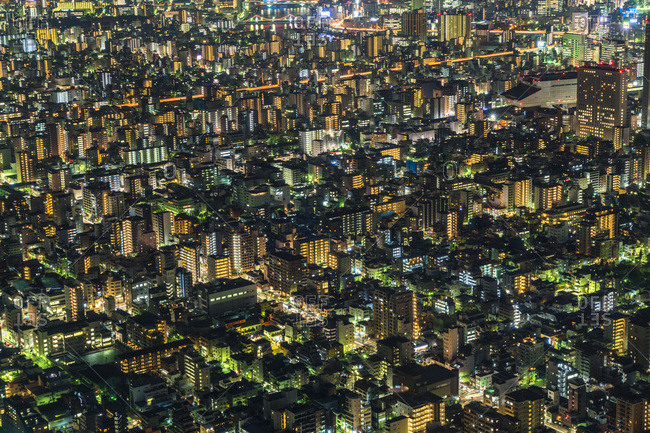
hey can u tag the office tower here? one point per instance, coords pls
(454, 28)
(286, 271)
(638, 342)
(414, 24)
(25, 167)
(645, 98)
(614, 52)
(313, 249)
(395, 312)
(573, 47)
(427, 6)
(548, 7)
(526, 405)
(602, 104)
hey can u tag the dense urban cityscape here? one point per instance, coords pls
(258, 216)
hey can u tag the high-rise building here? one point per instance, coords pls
(395, 312)
(577, 398)
(517, 193)
(414, 24)
(526, 405)
(163, 223)
(454, 27)
(644, 169)
(630, 413)
(314, 249)
(74, 304)
(25, 167)
(645, 98)
(523, 192)
(59, 144)
(424, 410)
(602, 104)
(241, 248)
(451, 223)
(132, 229)
(356, 413)
(638, 343)
(189, 255)
(395, 350)
(558, 374)
(374, 44)
(218, 267)
(614, 51)
(546, 196)
(573, 47)
(607, 221)
(451, 341)
(285, 271)
(302, 418)
(478, 418)
(195, 369)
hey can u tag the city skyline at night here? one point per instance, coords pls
(308, 216)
